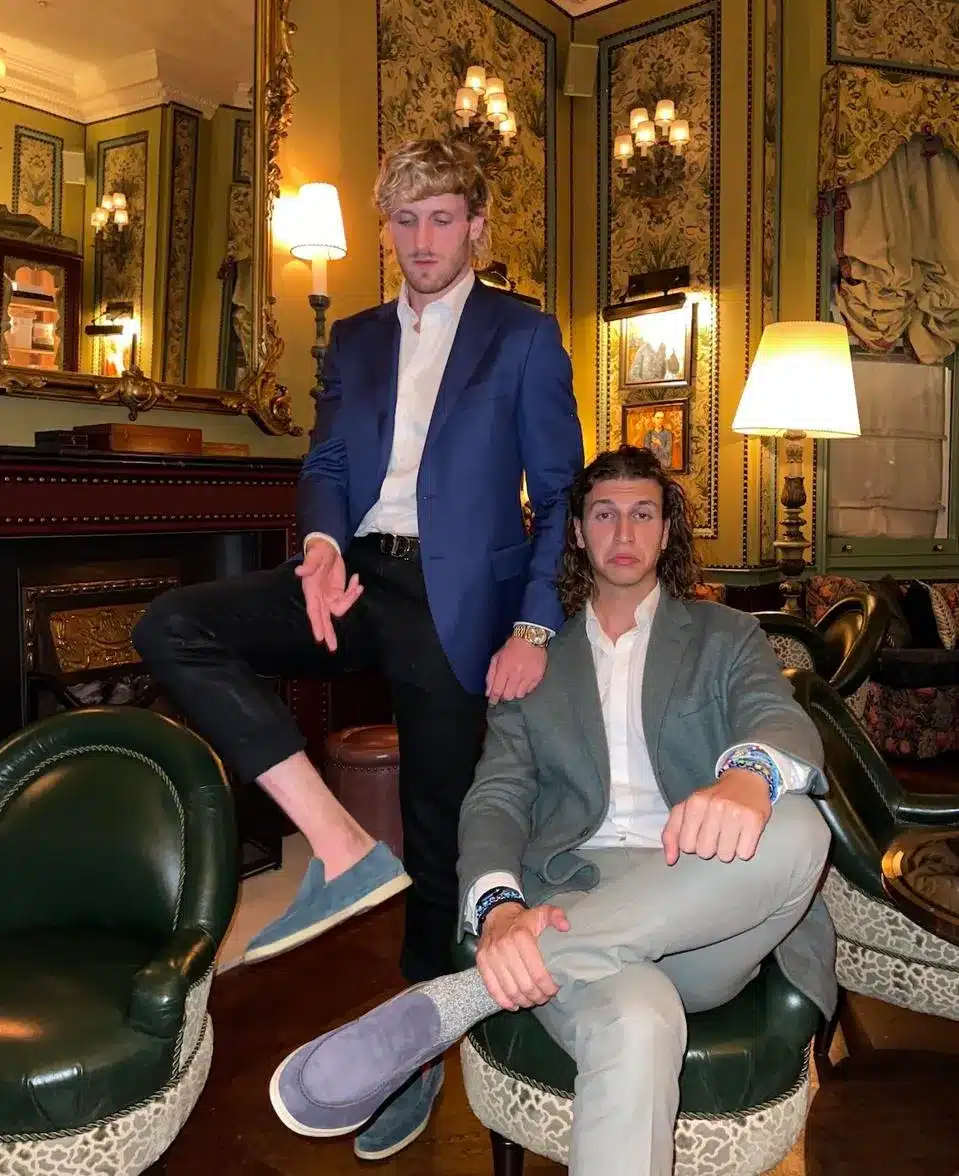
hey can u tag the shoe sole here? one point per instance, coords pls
(305, 934)
(398, 1147)
(294, 1124)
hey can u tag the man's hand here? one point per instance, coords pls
(515, 670)
(724, 820)
(509, 959)
(325, 590)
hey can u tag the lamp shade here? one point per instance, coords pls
(800, 381)
(318, 228)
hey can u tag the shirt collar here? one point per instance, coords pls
(450, 305)
(643, 615)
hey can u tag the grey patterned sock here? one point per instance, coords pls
(462, 999)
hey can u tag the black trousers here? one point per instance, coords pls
(210, 646)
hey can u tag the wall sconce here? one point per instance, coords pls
(495, 275)
(119, 335)
(662, 142)
(639, 287)
(112, 210)
(800, 385)
(490, 131)
(319, 237)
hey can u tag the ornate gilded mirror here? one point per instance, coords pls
(138, 171)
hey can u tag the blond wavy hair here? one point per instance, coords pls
(421, 168)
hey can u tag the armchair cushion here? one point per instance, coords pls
(70, 1055)
(744, 1053)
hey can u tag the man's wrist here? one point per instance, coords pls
(749, 757)
(536, 635)
(496, 897)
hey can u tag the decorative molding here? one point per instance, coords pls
(638, 235)
(179, 247)
(73, 89)
(38, 173)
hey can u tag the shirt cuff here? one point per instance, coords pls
(483, 883)
(795, 775)
(320, 535)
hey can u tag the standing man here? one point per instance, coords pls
(415, 560)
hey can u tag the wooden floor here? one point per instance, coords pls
(890, 1112)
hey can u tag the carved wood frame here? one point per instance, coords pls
(260, 396)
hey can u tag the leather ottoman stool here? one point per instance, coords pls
(363, 773)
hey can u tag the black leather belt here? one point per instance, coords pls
(396, 546)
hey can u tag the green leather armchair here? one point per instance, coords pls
(881, 952)
(118, 879)
(743, 1091)
(843, 647)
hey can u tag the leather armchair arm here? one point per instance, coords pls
(464, 952)
(928, 810)
(784, 624)
(160, 987)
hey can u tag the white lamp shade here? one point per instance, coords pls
(800, 381)
(319, 228)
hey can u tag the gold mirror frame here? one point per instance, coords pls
(260, 396)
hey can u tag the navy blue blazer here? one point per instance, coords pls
(505, 405)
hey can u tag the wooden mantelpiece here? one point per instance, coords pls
(98, 493)
(88, 539)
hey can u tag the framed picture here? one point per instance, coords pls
(656, 349)
(663, 427)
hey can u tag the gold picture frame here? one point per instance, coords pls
(657, 350)
(259, 396)
(663, 427)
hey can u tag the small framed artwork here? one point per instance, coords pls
(663, 427)
(656, 350)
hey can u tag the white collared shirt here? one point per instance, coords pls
(424, 354)
(637, 809)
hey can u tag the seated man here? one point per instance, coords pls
(635, 843)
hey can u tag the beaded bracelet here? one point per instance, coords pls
(752, 758)
(494, 898)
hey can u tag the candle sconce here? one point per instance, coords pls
(652, 153)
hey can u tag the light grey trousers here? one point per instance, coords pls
(648, 944)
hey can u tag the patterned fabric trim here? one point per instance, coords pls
(864, 920)
(194, 1018)
(123, 1145)
(909, 984)
(537, 1118)
(791, 653)
(945, 624)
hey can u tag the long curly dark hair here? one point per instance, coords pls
(677, 568)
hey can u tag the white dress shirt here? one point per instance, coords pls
(425, 344)
(637, 809)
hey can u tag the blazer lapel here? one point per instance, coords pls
(384, 363)
(577, 677)
(477, 327)
(668, 638)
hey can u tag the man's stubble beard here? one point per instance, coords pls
(441, 280)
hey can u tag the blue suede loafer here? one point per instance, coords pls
(320, 905)
(403, 1119)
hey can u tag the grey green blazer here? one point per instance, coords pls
(542, 785)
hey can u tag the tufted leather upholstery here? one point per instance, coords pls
(362, 770)
(118, 877)
(846, 641)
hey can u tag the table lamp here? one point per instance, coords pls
(320, 237)
(800, 385)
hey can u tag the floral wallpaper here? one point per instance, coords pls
(909, 33)
(425, 47)
(38, 175)
(183, 179)
(680, 227)
(118, 274)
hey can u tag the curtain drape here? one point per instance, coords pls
(900, 254)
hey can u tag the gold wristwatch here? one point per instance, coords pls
(535, 634)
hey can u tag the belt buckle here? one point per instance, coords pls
(397, 546)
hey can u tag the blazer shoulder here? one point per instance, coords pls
(371, 314)
(714, 617)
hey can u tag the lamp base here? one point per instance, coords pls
(320, 304)
(791, 548)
